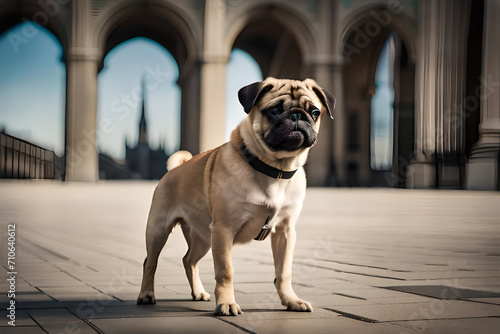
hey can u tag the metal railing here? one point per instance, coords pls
(20, 159)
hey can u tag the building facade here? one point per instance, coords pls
(141, 160)
(445, 65)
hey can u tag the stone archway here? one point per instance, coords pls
(32, 30)
(97, 28)
(277, 37)
(363, 40)
(46, 17)
(172, 29)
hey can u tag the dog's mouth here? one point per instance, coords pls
(290, 132)
(294, 139)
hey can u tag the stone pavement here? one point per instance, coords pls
(369, 261)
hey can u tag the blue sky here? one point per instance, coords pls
(382, 113)
(32, 82)
(32, 91)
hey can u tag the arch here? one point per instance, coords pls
(55, 21)
(294, 26)
(173, 28)
(401, 23)
(39, 119)
(131, 62)
(363, 37)
(161, 22)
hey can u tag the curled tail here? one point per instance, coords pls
(177, 159)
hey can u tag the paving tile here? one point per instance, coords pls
(25, 289)
(282, 313)
(360, 270)
(249, 288)
(255, 320)
(469, 273)
(65, 289)
(22, 319)
(182, 289)
(445, 292)
(23, 296)
(132, 310)
(22, 330)
(483, 283)
(258, 323)
(180, 325)
(81, 297)
(252, 278)
(435, 309)
(260, 306)
(126, 296)
(28, 305)
(75, 293)
(335, 300)
(495, 301)
(383, 295)
(60, 321)
(64, 281)
(456, 326)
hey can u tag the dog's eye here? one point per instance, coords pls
(315, 113)
(275, 111)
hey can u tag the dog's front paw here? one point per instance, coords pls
(298, 305)
(202, 296)
(228, 309)
(146, 298)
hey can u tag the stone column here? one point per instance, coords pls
(213, 77)
(320, 67)
(81, 117)
(189, 82)
(320, 156)
(483, 168)
(339, 125)
(325, 167)
(213, 104)
(440, 91)
(81, 99)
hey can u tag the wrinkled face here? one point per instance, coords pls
(286, 114)
(290, 118)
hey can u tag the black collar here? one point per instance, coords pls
(260, 166)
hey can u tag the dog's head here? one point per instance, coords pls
(286, 114)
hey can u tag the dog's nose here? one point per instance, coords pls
(297, 116)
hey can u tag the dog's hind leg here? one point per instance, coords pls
(157, 233)
(197, 248)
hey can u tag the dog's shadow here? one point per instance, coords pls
(202, 308)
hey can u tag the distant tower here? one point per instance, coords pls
(143, 131)
(141, 160)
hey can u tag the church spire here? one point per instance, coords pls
(143, 131)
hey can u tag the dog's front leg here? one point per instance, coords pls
(283, 245)
(222, 242)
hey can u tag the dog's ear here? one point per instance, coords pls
(324, 96)
(327, 99)
(249, 95)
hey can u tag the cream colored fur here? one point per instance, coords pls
(219, 199)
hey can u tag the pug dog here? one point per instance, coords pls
(248, 188)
